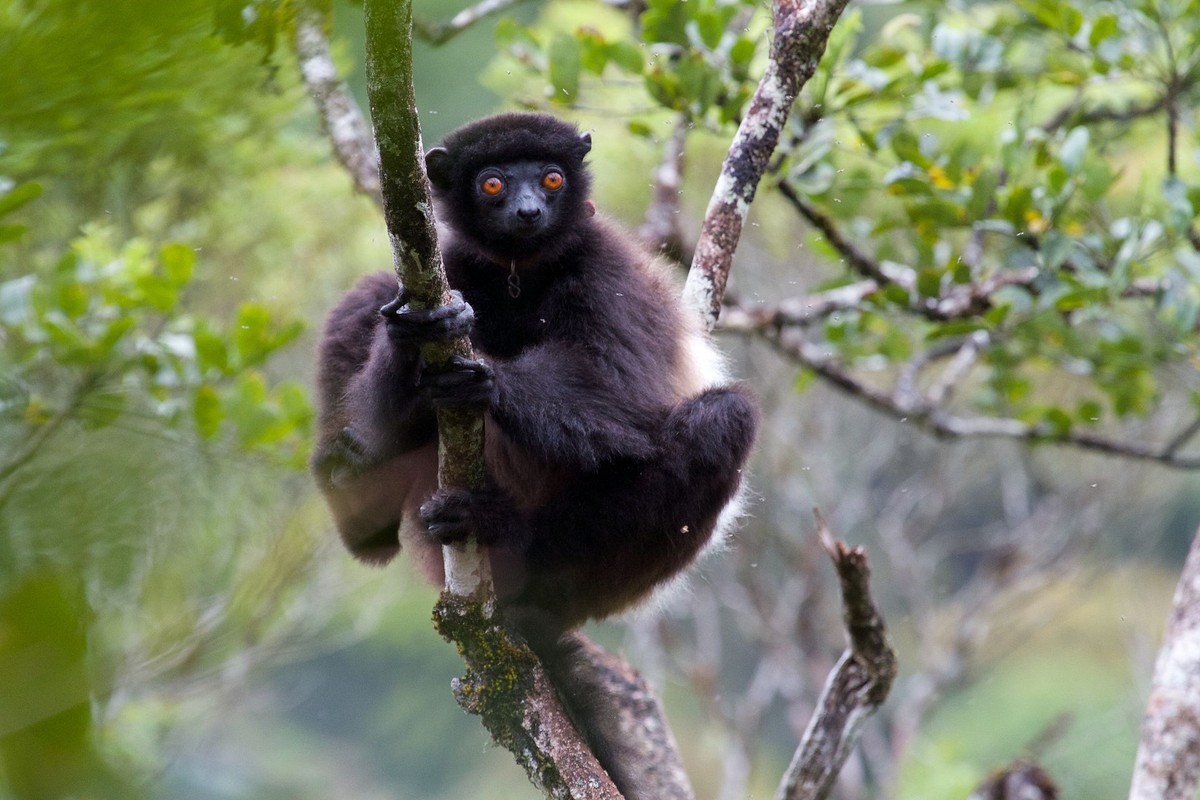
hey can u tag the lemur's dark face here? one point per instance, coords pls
(513, 186)
(519, 201)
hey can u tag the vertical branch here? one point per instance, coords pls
(504, 684)
(408, 212)
(802, 28)
(1168, 759)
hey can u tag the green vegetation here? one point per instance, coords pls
(1019, 180)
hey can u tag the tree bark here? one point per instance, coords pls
(856, 687)
(802, 29)
(1168, 758)
(504, 684)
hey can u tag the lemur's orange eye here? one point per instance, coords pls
(552, 180)
(492, 186)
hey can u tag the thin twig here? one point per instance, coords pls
(1072, 113)
(954, 373)
(940, 422)
(38, 435)
(857, 260)
(1183, 437)
(438, 33)
(799, 311)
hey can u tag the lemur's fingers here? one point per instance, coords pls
(410, 326)
(466, 381)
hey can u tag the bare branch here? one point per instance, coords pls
(940, 392)
(647, 755)
(512, 694)
(661, 231)
(1183, 437)
(1073, 112)
(800, 311)
(341, 118)
(802, 29)
(438, 33)
(857, 686)
(1168, 759)
(941, 422)
(857, 260)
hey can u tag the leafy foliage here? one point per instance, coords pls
(987, 166)
(103, 333)
(1061, 190)
(693, 58)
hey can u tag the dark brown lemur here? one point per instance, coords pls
(614, 439)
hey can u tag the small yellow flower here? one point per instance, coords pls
(1035, 222)
(938, 177)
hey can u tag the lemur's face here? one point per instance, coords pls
(519, 201)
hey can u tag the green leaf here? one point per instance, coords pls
(1089, 412)
(565, 67)
(665, 21)
(663, 86)
(1103, 27)
(113, 333)
(293, 403)
(594, 51)
(211, 351)
(896, 294)
(983, 194)
(10, 233)
(248, 409)
(929, 282)
(639, 128)
(742, 52)
(179, 261)
(627, 55)
(72, 299)
(207, 413)
(18, 196)
(711, 25)
(699, 82)
(907, 147)
(940, 213)
(957, 328)
(1058, 421)
(1056, 15)
(157, 292)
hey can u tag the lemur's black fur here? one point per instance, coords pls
(613, 452)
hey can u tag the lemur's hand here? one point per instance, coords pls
(411, 328)
(464, 382)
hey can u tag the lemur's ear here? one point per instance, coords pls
(437, 165)
(585, 144)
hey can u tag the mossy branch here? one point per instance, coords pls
(504, 683)
(408, 212)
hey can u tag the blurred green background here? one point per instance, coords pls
(177, 619)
